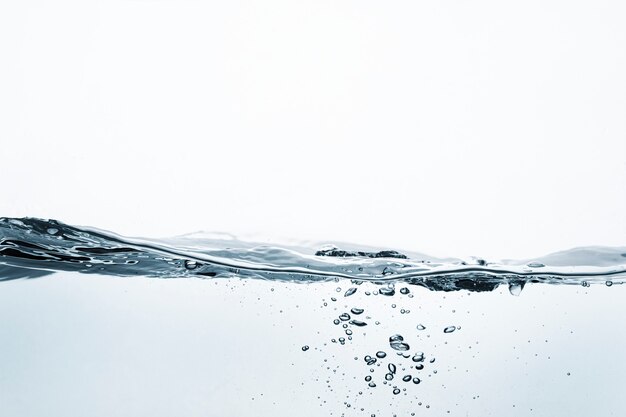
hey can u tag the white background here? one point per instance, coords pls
(455, 128)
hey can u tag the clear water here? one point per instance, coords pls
(307, 331)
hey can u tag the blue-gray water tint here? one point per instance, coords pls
(31, 248)
(379, 332)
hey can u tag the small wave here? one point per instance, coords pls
(31, 248)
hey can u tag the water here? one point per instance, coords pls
(369, 333)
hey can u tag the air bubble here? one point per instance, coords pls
(418, 357)
(388, 291)
(406, 378)
(397, 343)
(449, 329)
(305, 348)
(344, 317)
(515, 288)
(350, 292)
(421, 327)
(357, 311)
(191, 264)
(380, 354)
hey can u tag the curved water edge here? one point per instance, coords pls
(31, 248)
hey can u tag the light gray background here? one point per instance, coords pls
(455, 128)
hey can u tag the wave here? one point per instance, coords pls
(31, 248)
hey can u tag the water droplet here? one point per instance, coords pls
(392, 368)
(350, 292)
(421, 327)
(305, 348)
(357, 311)
(380, 354)
(336, 321)
(404, 290)
(416, 380)
(396, 391)
(389, 376)
(338, 289)
(348, 332)
(419, 366)
(449, 329)
(372, 385)
(52, 231)
(371, 361)
(344, 317)
(368, 378)
(609, 283)
(406, 378)
(358, 323)
(191, 264)
(585, 284)
(535, 265)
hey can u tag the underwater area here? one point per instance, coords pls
(206, 326)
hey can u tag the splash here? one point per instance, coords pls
(31, 248)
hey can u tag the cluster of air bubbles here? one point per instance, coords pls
(391, 370)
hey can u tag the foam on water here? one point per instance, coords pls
(32, 248)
